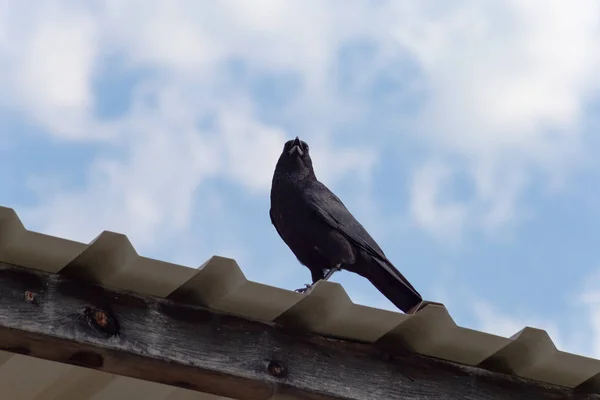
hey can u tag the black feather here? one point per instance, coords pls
(322, 233)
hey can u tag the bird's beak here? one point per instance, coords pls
(296, 147)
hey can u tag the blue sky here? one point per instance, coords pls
(463, 138)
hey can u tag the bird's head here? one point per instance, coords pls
(295, 158)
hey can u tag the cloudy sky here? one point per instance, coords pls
(463, 136)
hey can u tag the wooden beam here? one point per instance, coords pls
(64, 319)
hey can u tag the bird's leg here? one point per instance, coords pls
(316, 275)
(317, 278)
(332, 271)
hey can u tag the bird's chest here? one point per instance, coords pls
(314, 242)
(292, 216)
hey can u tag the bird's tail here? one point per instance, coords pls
(393, 285)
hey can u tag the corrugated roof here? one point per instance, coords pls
(220, 284)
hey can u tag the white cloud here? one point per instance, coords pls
(503, 71)
(498, 74)
(332, 160)
(490, 206)
(574, 328)
(491, 320)
(592, 302)
(152, 189)
(149, 194)
(589, 298)
(49, 54)
(442, 218)
(509, 82)
(577, 332)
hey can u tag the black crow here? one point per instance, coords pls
(323, 235)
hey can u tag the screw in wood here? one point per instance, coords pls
(30, 297)
(277, 369)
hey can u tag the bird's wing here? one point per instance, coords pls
(326, 205)
(330, 208)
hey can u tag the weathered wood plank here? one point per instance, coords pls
(62, 319)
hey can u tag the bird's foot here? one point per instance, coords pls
(304, 289)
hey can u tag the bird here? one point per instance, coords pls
(323, 235)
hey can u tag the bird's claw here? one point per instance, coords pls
(304, 289)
